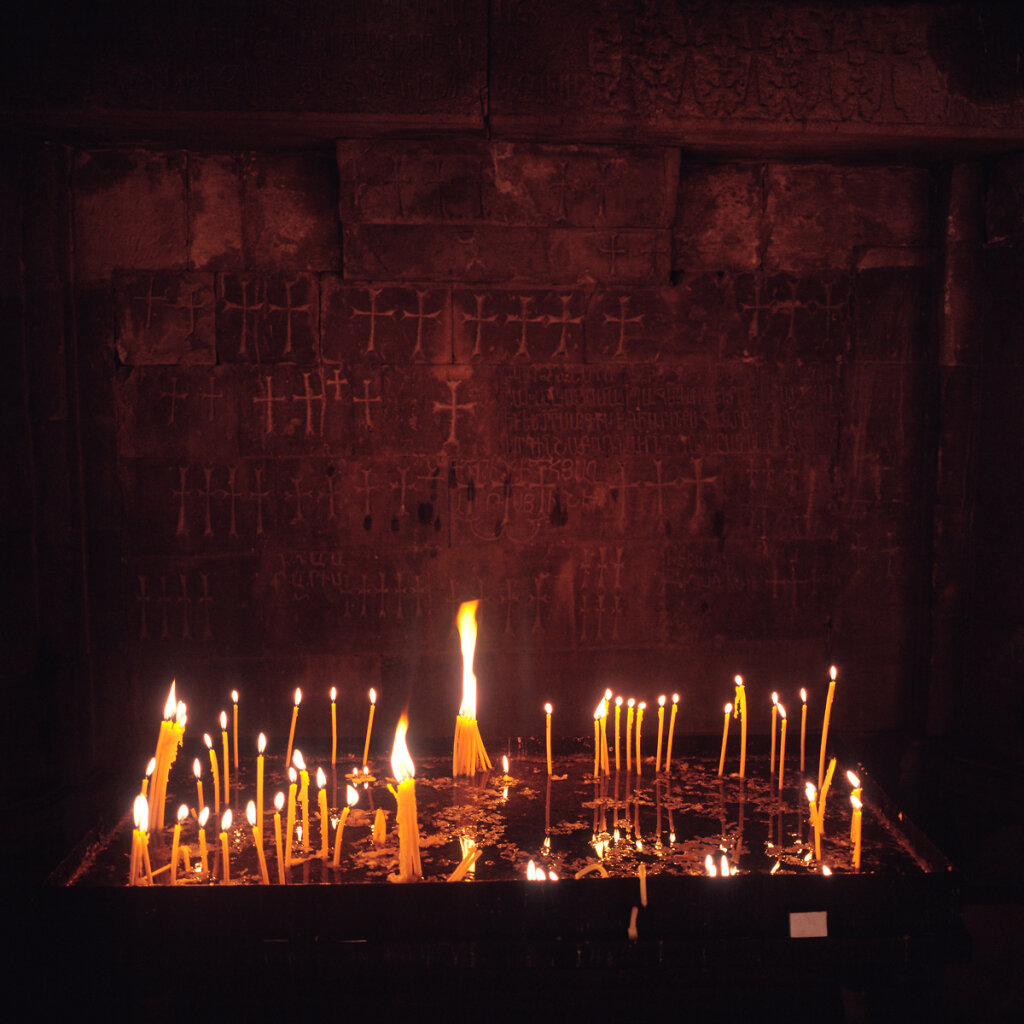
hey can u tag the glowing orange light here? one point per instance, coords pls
(661, 701)
(140, 812)
(298, 760)
(832, 673)
(618, 702)
(207, 741)
(853, 780)
(351, 796)
(725, 866)
(401, 763)
(261, 743)
(225, 821)
(321, 779)
(182, 812)
(250, 812)
(223, 719)
(803, 695)
(204, 817)
(234, 696)
(279, 801)
(857, 805)
(298, 697)
(197, 768)
(709, 866)
(826, 870)
(548, 709)
(466, 622)
(373, 695)
(293, 776)
(504, 763)
(334, 693)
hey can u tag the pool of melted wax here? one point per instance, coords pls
(566, 825)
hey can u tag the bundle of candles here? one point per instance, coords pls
(294, 844)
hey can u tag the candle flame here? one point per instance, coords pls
(180, 713)
(832, 673)
(234, 696)
(853, 780)
(351, 796)
(204, 817)
(321, 779)
(207, 741)
(618, 702)
(826, 870)
(608, 694)
(250, 812)
(803, 694)
(151, 767)
(225, 820)
(641, 705)
(298, 760)
(782, 710)
(531, 872)
(279, 801)
(466, 622)
(661, 700)
(709, 866)
(298, 696)
(811, 790)
(725, 866)
(171, 704)
(223, 720)
(197, 768)
(182, 812)
(373, 695)
(601, 710)
(293, 775)
(140, 812)
(261, 743)
(401, 763)
(675, 698)
(857, 805)
(630, 702)
(548, 709)
(504, 763)
(728, 709)
(334, 694)
(739, 680)
(775, 697)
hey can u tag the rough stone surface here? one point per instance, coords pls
(215, 211)
(720, 217)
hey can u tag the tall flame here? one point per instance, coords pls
(250, 812)
(832, 673)
(466, 622)
(321, 779)
(261, 743)
(140, 812)
(172, 703)
(279, 801)
(401, 763)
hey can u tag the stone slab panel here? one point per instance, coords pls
(720, 220)
(894, 315)
(215, 211)
(484, 252)
(165, 319)
(130, 212)
(268, 318)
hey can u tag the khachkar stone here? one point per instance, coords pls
(740, 72)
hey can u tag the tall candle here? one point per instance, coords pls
(175, 840)
(639, 722)
(234, 701)
(782, 746)
(162, 758)
(225, 824)
(604, 732)
(197, 770)
(290, 822)
(300, 763)
(725, 738)
(856, 791)
(140, 813)
(369, 727)
(824, 791)
(214, 772)
(321, 799)
(291, 731)
(261, 745)
(803, 728)
(629, 733)
(278, 804)
(775, 709)
(257, 839)
(618, 714)
(468, 753)
(855, 826)
(409, 868)
(661, 730)
(741, 711)
(812, 794)
(334, 726)
(824, 724)
(227, 768)
(204, 816)
(671, 730)
(547, 715)
(597, 741)
(351, 798)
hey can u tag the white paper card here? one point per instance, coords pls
(811, 925)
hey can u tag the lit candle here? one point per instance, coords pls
(824, 724)
(618, 714)
(278, 804)
(824, 792)
(775, 707)
(175, 839)
(300, 763)
(257, 838)
(197, 770)
(468, 753)
(661, 730)
(150, 768)
(812, 794)
(142, 820)
(234, 701)
(725, 737)
(291, 731)
(629, 733)
(856, 791)
(214, 772)
(140, 814)
(803, 728)
(177, 734)
(290, 821)
(369, 726)
(261, 745)
(604, 732)
(639, 721)
(547, 713)
(741, 710)
(162, 756)
(597, 741)
(351, 798)
(321, 799)
(671, 730)
(204, 816)
(408, 827)
(855, 826)
(225, 824)
(334, 726)
(782, 746)
(227, 767)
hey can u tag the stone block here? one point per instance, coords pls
(268, 318)
(165, 318)
(130, 212)
(895, 315)
(215, 211)
(719, 222)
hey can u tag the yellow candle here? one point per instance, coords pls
(291, 731)
(618, 715)
(299, 763)
(547, 713)
(261, 745)
(321, 782)
(856, 791)
(369, 727)
(741, 710)
(824, 724)
(604, 732)
(150, 768)
(629, 733)
(597, 743)
(142, 826)
(468, 753)
(176, 838)
(197, 770)
(812, 793)
(162, 757)
(214, 772)
(409, 868)
(278, 804)
(204, 816)
(257, 839)
(334, 725)
(140, 813)
(660, 731)
(380, 825)
(227, 768)
(782, 746)
(351, 798)
(725, 737)
(234, 701)
(671, 730)
(639, 721)
(824, 792)
(803, 728)
(225, 824)
(290, 831)
(775, 706)
(855, 801)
